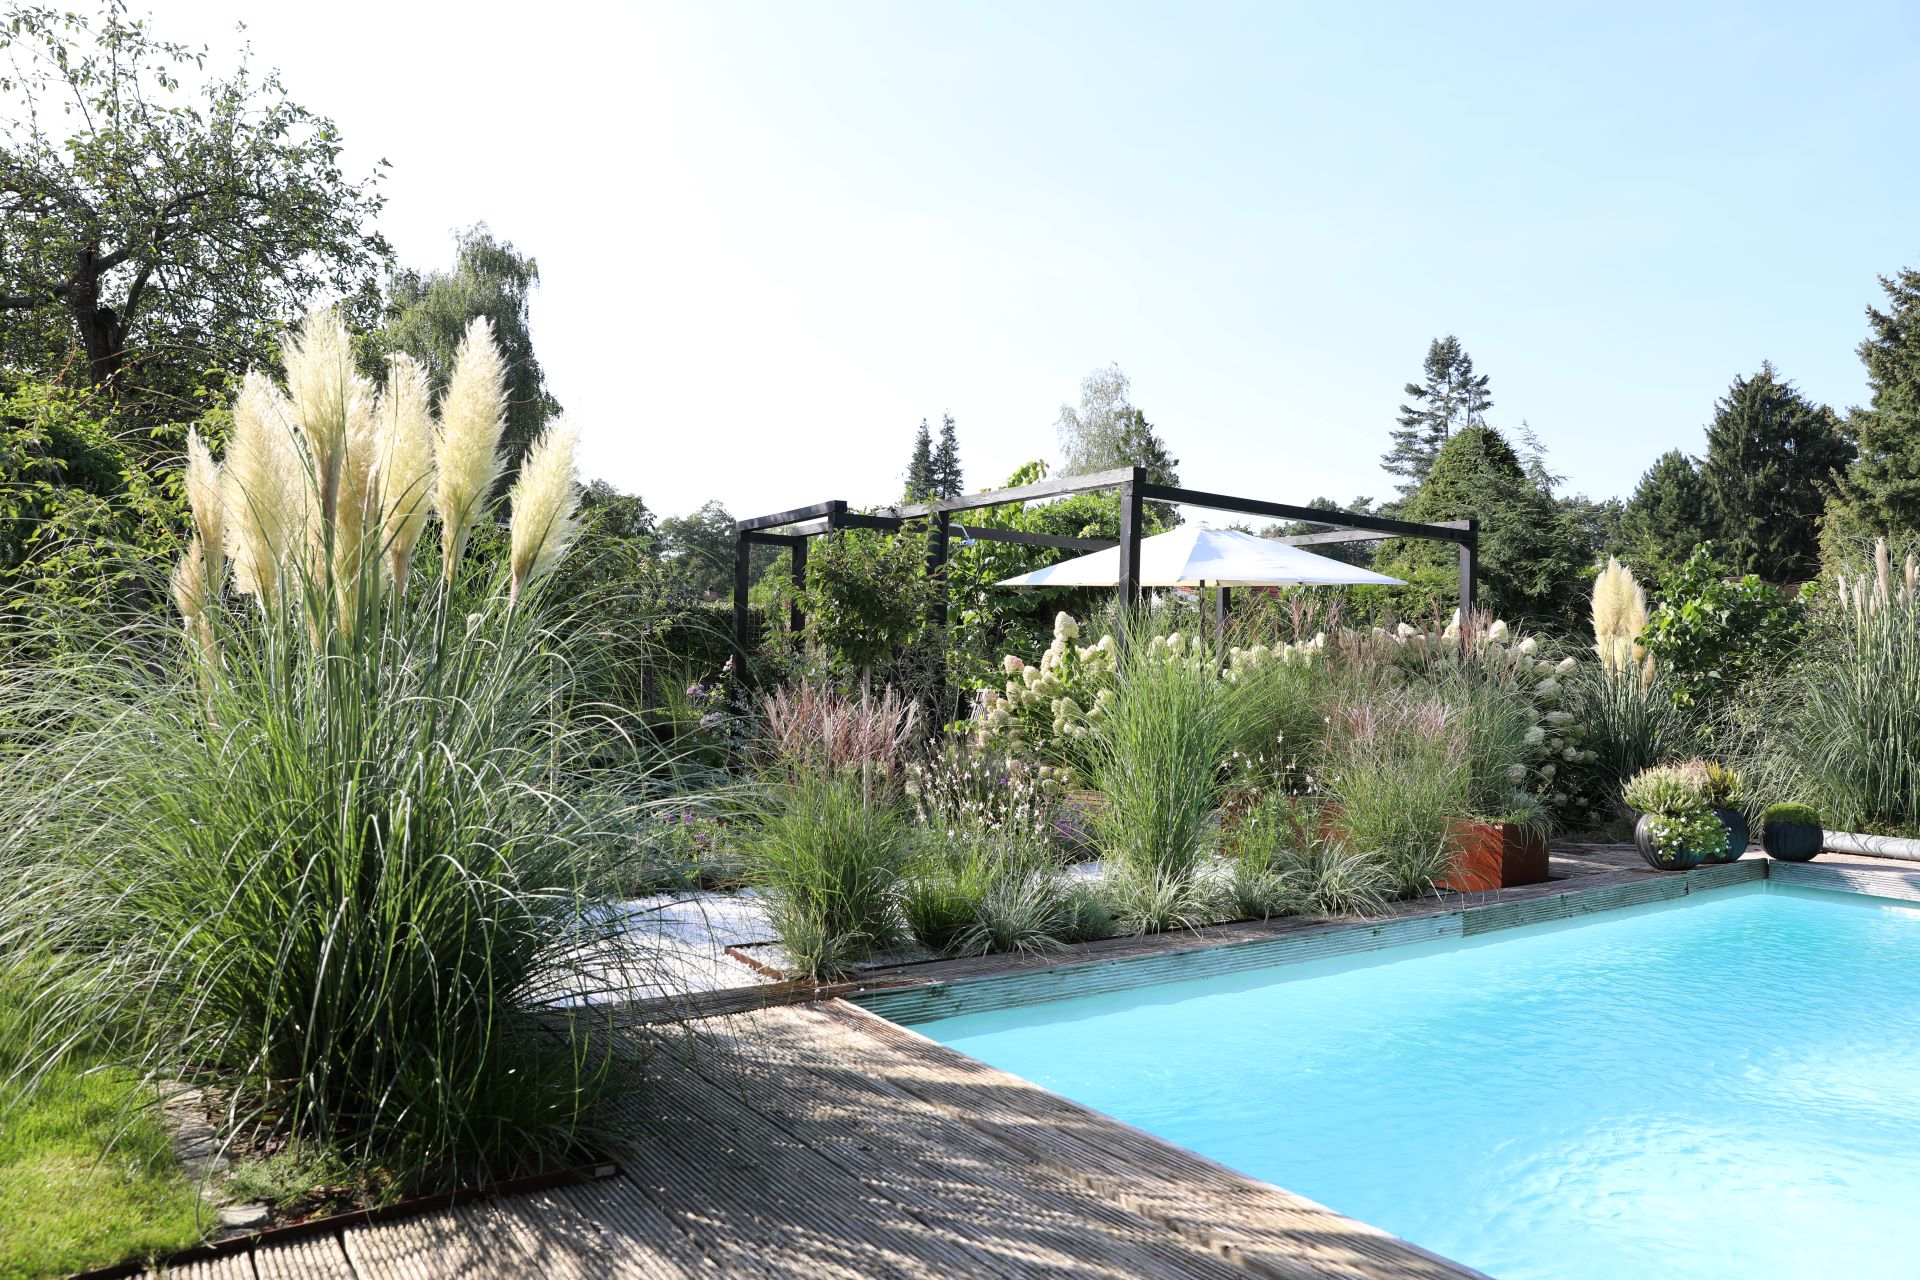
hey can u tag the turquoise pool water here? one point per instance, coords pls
(1728, 1085)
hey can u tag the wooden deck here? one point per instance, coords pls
(813, 1138)
(821, 1141)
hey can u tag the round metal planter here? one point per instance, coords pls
(1658, 858)
(1792, 841)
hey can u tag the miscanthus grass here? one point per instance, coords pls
(331, 853)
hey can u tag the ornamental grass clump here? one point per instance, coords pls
(1843, 725)
(1401, 771)
(329, 859)
(830, 864)
(1157, 757)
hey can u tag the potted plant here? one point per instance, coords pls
(1724, 798)
(1496, 853)
(1791, 832)
(1677, 829)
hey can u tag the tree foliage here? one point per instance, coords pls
(149, 227)
(429, 313)
(1107, 430)
(1879, 495)
(1669, 514)
(945, 479)
(867, 595)
(1771, 453)
(920, 465)
(81, 516)
(1449, 398)
(1530, 561)
(1712, 635)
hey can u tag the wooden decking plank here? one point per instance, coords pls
(611, 1228)
(1258, 1225)
(1022, 1217)
(418, 1248)
(232, 1266)
(728, 1182)
(315, 1258)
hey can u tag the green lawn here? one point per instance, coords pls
(87, 1177)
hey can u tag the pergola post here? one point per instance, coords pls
(1469, 569)
(1128, 593)
(939, 531)
(742, 559)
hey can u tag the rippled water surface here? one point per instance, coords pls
(1724, 1086)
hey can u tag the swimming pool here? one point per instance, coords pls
(1724, 1085)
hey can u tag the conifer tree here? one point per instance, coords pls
(944, 469)
(920, 479)
(1771, 453)
(1451, 398)
(1669, 514)
(1879, 495)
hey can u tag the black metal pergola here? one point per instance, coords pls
(793, 529)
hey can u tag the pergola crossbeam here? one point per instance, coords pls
(793, 529)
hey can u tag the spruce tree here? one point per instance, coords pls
(1669, 514)
(1531, 558)
(944, 469)
(1771, 453)
(1451, 398)
(920, 466)
(1880, 493)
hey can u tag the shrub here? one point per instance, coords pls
(329, 857)
(1713, 636)
(1800, 815)
(1670, 789)
(830, 865)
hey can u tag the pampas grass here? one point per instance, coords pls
(337, 859)
(1619, 616)
(466, 454)
(265, 488)
(545, 499)
(403, 431)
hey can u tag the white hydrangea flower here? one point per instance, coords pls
(1535, 736)
(1011, 664)
(1065, 627)
(1528, 645)
(1566, 665)
(1498, 631)
(1516, 773)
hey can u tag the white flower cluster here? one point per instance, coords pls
(1069, 686)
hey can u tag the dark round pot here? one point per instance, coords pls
(1792, 841)
(1657, 858)
(1736, 824)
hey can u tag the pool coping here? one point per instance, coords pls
(914, 994)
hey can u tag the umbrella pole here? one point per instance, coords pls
(1220, 601)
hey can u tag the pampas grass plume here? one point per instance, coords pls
(545, 500)
(1619, 616)
(204, 501)
(266, 490)
(320, 382)
(403, 425)
(473, 413)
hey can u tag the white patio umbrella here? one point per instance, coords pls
(1193, 556)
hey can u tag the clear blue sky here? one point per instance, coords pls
(774, 236)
